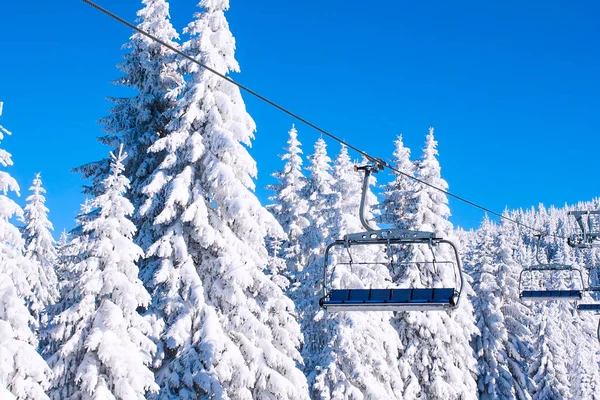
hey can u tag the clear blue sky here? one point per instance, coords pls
(511, 87)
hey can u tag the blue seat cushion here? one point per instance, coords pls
(551, 293)
(395, 296)
(588, 307)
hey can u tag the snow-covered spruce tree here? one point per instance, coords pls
(352, 355)
(494, 379)
(103, 349)
(322, 202)
(548, 366)
(290, 206)
(437, 344)
(321, 214)
(517, 315)
(136, 122)
(322, 206)
(228, 329)
(39, 248)
(23, 373)
(398, 195)
(583, 371)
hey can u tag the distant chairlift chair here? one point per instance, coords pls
(544, 293)
(593, 287)
(390, 299)
(590, 231)
(592, 307)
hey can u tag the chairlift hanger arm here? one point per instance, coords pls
(368, 169)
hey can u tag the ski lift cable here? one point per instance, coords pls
(376, 160)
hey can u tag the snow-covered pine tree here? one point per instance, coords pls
(352, 355)
(517, 315)
(39, 248)
(437, 344)
(23, 373)
(494, 380)
(322, 206)
(583, 371)
(228, 329)
(103, 350)
(398, 195)
(152, 71)
(548, 366)
(290, 205)
(322, 202)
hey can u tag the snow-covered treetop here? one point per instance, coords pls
(402, 156)
(63, 240)
(320, 168)
(110, 210)
(431, 204)
(293, 167)
(116, 205)
(398, 195)
(2, 129)
(215, 5)
(289, 202)
(8, 208)
(38, 227)
(39, 244)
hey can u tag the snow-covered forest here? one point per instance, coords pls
(176, 282)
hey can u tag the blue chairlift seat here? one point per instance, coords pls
(390, 299)
(588, 307)
(543, 295)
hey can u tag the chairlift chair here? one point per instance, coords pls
(544, 293)
(590, 231)
(591, 307)
(592, 287)
(389, 299)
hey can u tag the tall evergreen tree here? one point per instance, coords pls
(103, 349)
(39, 247)
(290, 205)
(322, 202)
(23, 372)
(228, 329)
(548, 365)
(437, 344)
(495, 380)
(322, 212)
(517, 315)
(584, 373)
